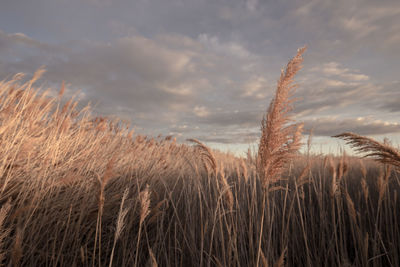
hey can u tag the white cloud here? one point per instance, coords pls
(201, 111)
(359, 27)
(355, 77)
(336, 69)
(256, 87)
(368, 19)
(182, 89)
(224, 48)
(152, 55)
(333, 83)
(333, 68)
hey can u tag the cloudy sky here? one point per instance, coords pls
(208, 68)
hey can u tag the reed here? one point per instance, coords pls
(381, 152)
(81, 190)
(280, 141)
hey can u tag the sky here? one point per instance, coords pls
(208, 69)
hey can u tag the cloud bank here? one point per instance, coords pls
(208, 69)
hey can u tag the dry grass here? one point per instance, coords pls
(78, 190)
(381, 152)
(279, 141)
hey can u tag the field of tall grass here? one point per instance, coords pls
(80, 190)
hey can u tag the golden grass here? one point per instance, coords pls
(279, 142)
(381, 152)
(79, 190)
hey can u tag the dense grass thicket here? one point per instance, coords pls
(79, 190)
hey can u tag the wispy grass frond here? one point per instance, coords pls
(380, 152)
(279, 141)
(205, 153)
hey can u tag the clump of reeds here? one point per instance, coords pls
(381, 152)
(206, 155)
(79, 190)
(280, 141)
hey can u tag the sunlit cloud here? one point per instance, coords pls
(209, 69)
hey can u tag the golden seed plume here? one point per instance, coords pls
(144, 198)
(205, 153)
(279, 141)
(378, 151)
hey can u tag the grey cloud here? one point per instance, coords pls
(334, 99)
(133, 72)
(364, 126)
(393, 105)
(135, 58)
(235, 118)
(337, 89)
(390, 98)
(165, 64)
(173, 79)
(233, 138)
(355, 20)
(159, 81)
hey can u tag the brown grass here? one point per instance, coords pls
(80, 190)
(279, 141)
(381, 152)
